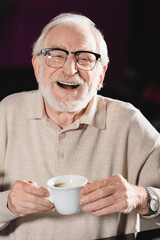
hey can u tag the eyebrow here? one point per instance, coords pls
(60, 46)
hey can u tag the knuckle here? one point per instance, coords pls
(32, 198)
(111, 199)
(18, 181)
(125, 190)
(119, 177)
(35, 207)
(126, 203)
(105, 202)
(19, 184)
(31, 188)
(42, 192)
(16, 184)
(102, 182)
(102, 192)
(90, 187)
(125, 194)
(108, 201)
(112, 189)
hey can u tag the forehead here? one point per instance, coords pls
(72, 38)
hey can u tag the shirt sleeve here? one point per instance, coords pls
(149, 177)
(149, 150)
(5, 214)
(144, 155)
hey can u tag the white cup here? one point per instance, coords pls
(65, 193)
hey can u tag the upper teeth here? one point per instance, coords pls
(70, 84)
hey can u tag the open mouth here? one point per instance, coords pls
(68, 85)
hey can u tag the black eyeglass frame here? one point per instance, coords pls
(46, 50)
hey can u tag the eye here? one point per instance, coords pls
(86, 58)
(56, 54)
(83, 57)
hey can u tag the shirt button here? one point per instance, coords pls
(62, 135)
(60, 155)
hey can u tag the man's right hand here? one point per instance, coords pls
(28, 198)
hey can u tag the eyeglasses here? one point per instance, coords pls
(56, 58)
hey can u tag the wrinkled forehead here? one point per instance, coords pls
(72, 38)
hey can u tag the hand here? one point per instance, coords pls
(28, 198)
(113, 194)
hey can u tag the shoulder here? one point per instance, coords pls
(125, 116)
(118, 108)
(15, 101)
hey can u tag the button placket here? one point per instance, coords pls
(60, 153)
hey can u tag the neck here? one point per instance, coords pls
(62, 119)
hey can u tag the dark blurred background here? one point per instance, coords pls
(131, 29)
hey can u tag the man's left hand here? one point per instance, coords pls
(113, 194)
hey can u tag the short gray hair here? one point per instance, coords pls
(73, 19)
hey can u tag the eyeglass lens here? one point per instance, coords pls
(57, 58)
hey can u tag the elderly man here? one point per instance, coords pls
(66, 128)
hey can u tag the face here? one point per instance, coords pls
(68, 89)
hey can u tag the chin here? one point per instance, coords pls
(67, 105)
(64, 106)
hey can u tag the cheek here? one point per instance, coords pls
(87, 77)
(47, 75)
(46, 81)
(92, 81)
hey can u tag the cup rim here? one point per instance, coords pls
(52, 181)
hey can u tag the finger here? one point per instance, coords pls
(31, 204)
(97, 194)
(35, 207)
(30, 187)
(107, 210)
(115, 180)
(93, 186)
(86, 185)
(89, 182)
(111, 204)
(34, 188)
(31, 198)
(101, 203)
(22, 211)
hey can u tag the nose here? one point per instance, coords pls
(70, 67)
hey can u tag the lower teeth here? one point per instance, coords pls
(67, 86)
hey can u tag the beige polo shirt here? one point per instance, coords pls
(111, 137)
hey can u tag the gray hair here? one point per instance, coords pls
(73, 19)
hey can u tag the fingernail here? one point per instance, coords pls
(83, 200)
(94, 213)
(46, 194)
(85, 208)
(83, 191)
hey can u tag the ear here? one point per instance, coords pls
(36, 66)
(102, 75)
